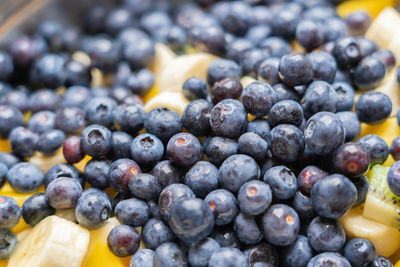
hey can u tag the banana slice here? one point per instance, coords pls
(384, 27)
(172, 100)
(44, 163)
(182, 68)
(164, 55)
(386, 239)
(53, 242)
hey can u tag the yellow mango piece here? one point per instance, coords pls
(373, 7)
(81, 164)
(98, 253)
(5, 145)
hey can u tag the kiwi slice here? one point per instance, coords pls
(381, 204)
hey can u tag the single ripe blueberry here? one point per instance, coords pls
(395, 148)
(351, 125)
(200, 252)
(295, 69)
(96, 140)
(145, 186)
(196, 117)
(121, 144)
(10, 117)
(227, 257)
(202, 178)
(369, 73)
(36, 208)
(219, 149)
(380, 261)
(166, 173)
(226, 237)
(10, 212)
(373, 107)
(70, 120)
(129, 118)
(246, 229)
(387, 57)
(254, 197)
(282, 181)
(24, 177)
(99, 110)
(229, 87)
(326, 234)
(96, 173)
(42, 121)
(377, 148)
(163, 123)
(287, 142)
(195, 88)
(121, 172)
(123, 240)
(358, 22)
(143, 258)
(281, 224)
(268, 71)
(223, 204)
(258, 98)
(220, 69)
(253, 145)
(133, 212)
(333, 196)
(331, 258)
(62, 170)
(155, 232)
(309, 34)
(319, 96)
(302, 204)
(170, 195)
(285, 112)
(93, 209)
(63, 193)
(393, 178)
(169, 254)
(184, 149)
(309, 176)
(323, 65)
(23, 141)
(344, 96)
(147, 149)
(347, 52)
(297, 254)
(50, 141)
(359, 252)
(351, 159)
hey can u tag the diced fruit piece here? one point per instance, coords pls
(384, 27)
(381, 205)
(182, 68)
(53, 242)
(386, 239)
(172, 100)
(164, 55)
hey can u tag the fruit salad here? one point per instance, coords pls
(211, 133)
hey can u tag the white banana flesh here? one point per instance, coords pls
(172, 100)
(54, 242)
(384, 27)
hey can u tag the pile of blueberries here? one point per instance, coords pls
(209, 188)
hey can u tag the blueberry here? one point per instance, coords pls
(309, 34)
(120, 93)
(220, 69)
(260, 127)
(166, 173)
(169, 255)
(309, 176)
(63, 193)
(103, 52)
(145, 186)
(8, 243)
(96, 173)
(200, 252)
(133, 212)
(3, 173)
(284, 23)
(351, 124)
(121, 172)
(393, 178)
(286, 112)
(252, 59)
(70, 120)
(47, 71)
(155, 233)
(258, 98)
(163, 123)
(176, 38)
(236, 48)
(76, 96)
(196, 117)
(99, 110)
(276, 46)
(51, 31)
(358, 22)
(42, 121)
(342, 76)
(254, 197)
(284, 92)
(24, 50)
(10, 212)
(129, 118)
(77, 73)
(36, 208)
(93, 209)
(121, 144)
(50, 141)
(202, 178)
(246, 229)
(236, 18)
(347, 52)
(394, 148)
(154, 209)
(226, 88)
(17, 98)
(298, 253)
(324, 133)
(96, 140)
(227, 257)
(195, 88)
(351, 159)
(381, 261)
(387, 57)
(359, 252)
(295, 69)
(25, 177)
(326, 234)
(140, 82)
(23, 141)
(208, 38)
(268, 71)
(287, 142)
(191, 219)
(123, 240)
(237, 170)
(184, 149)
(362, 185)
(253, 145)
(333, 196)
(143, 258)
(319, 96)
(62, 170)
(156, 22)
(367, 46)
(258, 33)
(72, 150)
(147, 149)
(226, 237)
(223, 204)
(302, 204)
(282, 181)
(373, 107)
(328, 258)
(171, 195)
(323, 65)
(280, 224)
(218, 149)
(229, 118)
(262, 255)
(369, 73)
